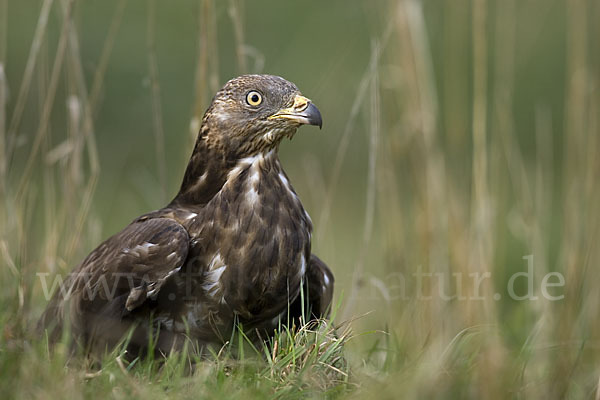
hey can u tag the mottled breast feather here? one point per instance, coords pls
(254, 236)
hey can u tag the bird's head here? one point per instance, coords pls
(252, 113)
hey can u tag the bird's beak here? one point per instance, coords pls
(303, 111)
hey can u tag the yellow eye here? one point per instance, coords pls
(254, 98)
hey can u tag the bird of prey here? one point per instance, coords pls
(234, 245)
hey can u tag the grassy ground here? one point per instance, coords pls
(454, 188)
(306, 362)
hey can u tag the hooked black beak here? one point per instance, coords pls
(313, 115)
(303, 111)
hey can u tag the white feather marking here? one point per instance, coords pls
(250, 162)
(235, 172)
(215, 270)
(252, 195)
(191, 215)
(212, 280)
(302, 264)
(140, 249)
(242, 165)
(326, 279)
(216, 262)
(171, 255)
(144, 247)
(286, 184)
(255, 177)
(173, 271)
(270, 153)
(284, 180)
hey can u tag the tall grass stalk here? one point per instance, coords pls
(159, 135)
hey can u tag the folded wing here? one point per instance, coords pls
(118, 277)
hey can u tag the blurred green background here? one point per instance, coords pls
(459, 137)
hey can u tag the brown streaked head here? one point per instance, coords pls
(252, 113)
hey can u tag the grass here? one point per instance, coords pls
(463, 145)
(293, 364)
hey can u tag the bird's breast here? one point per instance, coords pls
(254, 240)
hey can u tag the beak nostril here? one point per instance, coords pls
(300, 103)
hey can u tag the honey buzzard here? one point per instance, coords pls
(234, 245)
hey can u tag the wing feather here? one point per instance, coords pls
(139, 260)
(320, 287)
(120, 274)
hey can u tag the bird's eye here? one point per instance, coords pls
(253, 98)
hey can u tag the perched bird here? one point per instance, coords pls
(234, 245)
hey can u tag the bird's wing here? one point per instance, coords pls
(122, 272)
(318, 293)
(320, 287)
(139, 259)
